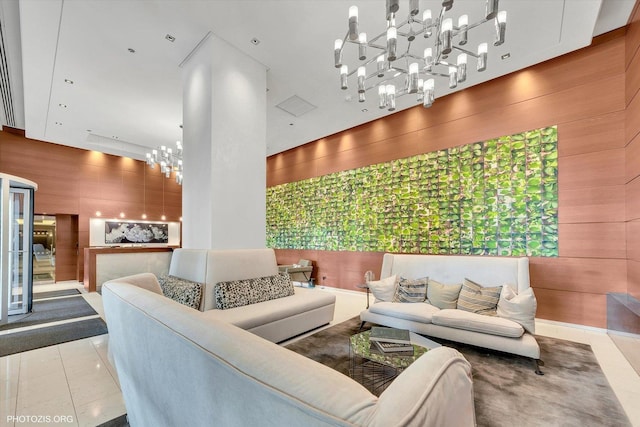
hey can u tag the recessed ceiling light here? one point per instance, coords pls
(170, 38)
(131, 50)
(255, 41)
(290, 124)
(364, 110)
(68, 81)
(506, 55)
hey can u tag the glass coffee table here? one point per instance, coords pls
(376, 370)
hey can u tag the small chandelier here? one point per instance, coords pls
(395, 72)
(168, 159)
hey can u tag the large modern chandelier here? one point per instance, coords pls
(170, 160)
(395, 69)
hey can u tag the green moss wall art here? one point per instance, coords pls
(497, 197)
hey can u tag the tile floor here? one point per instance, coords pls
(73, 384)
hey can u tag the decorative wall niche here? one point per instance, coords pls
(497, 197)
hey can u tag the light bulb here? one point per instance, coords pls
(380, 65)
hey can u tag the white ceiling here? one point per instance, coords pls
(126, 103)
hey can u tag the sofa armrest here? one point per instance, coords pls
(422, 394)
(146, 281)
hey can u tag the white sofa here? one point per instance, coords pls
(471, 328)
(177, 366)
(275, 320)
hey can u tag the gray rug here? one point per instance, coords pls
(53, 294)
(18, 342)
(51, 311)
(572, 392)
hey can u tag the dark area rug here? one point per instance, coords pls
(51, 311)
(53, 294)
(572, 392)
(18, 342)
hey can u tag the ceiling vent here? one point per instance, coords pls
(5, 83)
(296, 106)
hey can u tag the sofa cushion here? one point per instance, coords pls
(461, 319)
(478, 299)
(411, 290)
(443, 296)
(237, 293)
(181, 290)
(247, 317)
(416, 312)
(520, 307)
(383, 289)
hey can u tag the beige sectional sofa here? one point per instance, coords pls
(275, 320)
(179, 366)
(493, 332)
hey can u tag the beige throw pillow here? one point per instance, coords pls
(383, 289)
(443, 296)
(479, 299)
(520, 307)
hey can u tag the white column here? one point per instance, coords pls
(224, 138)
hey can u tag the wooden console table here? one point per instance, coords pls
(105, 263)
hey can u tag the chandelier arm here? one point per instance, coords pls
(468, 52)
(411, 55)
(377, 46)
(383, 34)
(431, 73)
(475, 24)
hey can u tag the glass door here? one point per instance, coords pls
(20, 252)
(16, 251)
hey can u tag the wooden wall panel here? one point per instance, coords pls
(567, 106)
(632, 123)
(572, 307)
(632, 134)
(353, 265)
(633, 278)
(592, 134)
(590, 275)
(632, 169)
(593, 240)
(633, 35)
(79, 182)
(632, 78)
(633, 199)
(589, 170)
(66, 250)
(591, 204)
(633, 240)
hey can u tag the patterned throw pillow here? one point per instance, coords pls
(181, 290)
(238, 293)
(478, 299)
(411, 290)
